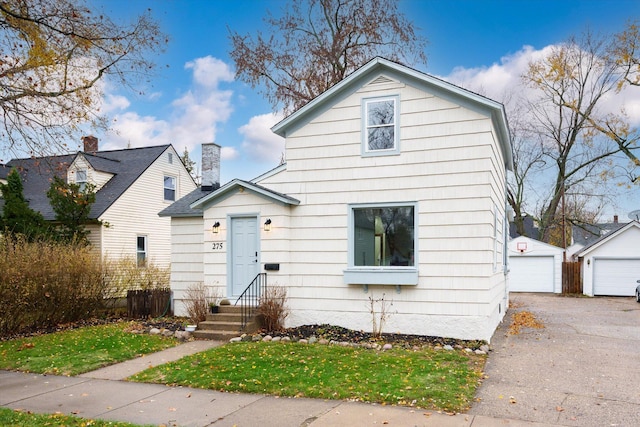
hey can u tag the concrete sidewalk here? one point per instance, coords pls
(103, 394)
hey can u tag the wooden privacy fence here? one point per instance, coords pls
(149, 303)
(571, 282)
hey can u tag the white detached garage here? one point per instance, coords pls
(534, 266)
(611, 265)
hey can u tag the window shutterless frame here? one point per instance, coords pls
(169, 188)
(380, 126)
(382, 244)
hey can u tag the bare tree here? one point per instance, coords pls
(571, 84)
(316, 43)
(55, 56)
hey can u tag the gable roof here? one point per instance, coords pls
(236, 184)
(607, 237)
(126, 166)
(587, 234)
(441, 88)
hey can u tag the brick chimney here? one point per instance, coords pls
(615, 219)
(90, 144)
(210, 167)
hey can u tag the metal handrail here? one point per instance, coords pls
(250, 298)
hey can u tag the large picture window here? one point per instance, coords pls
(382, 244)
(380, 130)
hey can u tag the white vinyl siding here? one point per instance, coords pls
(186, 259)
(136, 213)
(450, 163)
(97, 178)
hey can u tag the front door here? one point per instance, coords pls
(244, 253)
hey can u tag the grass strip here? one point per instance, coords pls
(80, 350)
(428, 378)
(10, 417)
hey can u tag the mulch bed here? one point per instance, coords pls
(326, 331)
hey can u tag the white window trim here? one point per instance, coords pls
(82, 183)
(175, 189)
(145, 251)
(366, 152)
(382, 275)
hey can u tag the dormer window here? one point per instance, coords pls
(170, 188)
(380, 133)
(81, 179)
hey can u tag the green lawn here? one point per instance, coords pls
(427, 378)
(9, 417)
(80, 350)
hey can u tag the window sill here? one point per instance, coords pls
(378, 276)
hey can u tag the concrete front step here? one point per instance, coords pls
(224, 325)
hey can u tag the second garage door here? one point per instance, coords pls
(615, 277)
(531, 274)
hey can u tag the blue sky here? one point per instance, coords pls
(195, 99)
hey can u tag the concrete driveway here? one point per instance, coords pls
(582, 369)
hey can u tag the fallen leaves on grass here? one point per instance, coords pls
(523, 319)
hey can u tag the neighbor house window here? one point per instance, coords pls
(81, 178)
(380, 126)
(382, 244)
(141, 251)
(169, 188)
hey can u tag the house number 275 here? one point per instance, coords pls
(217, 246)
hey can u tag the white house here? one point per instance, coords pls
(611, 264)
(394, 185)
(132, 186)
(534, 266)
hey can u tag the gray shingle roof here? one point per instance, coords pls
(587, 234)
(181, 207)
(125, 165)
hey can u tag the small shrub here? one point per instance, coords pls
(272, 310)
(123, 274)
(378, 319)
(197, 301)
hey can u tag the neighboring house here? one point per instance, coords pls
(611, 264)
(585, 234)
(534, 266)
(132, 186)
(530, 228)
(394, 185)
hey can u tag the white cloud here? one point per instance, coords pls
(193, 119)
(259, 142)
(502, 82)
(229, 153)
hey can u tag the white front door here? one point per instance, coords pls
(244, 253)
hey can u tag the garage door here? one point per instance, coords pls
(531, 274)
(616, 277)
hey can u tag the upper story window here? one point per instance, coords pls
(380, 132)
(170, 188)
(170, 158)
(81, 178)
